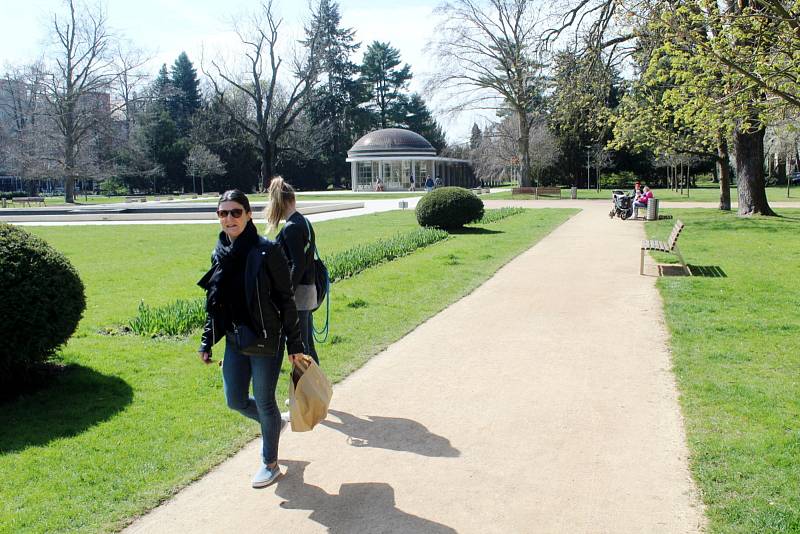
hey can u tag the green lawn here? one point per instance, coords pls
(133, 419)
(736, 350)
(700, 194)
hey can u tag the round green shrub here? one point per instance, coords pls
(41, 302)
(449, 207)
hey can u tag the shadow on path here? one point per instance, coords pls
(392, 433)
(358, 507)
(76, 400)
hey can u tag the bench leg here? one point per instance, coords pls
(680, 257)
(641, 263)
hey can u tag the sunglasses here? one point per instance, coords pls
(235, 213)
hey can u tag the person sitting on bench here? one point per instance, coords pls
(641, 202)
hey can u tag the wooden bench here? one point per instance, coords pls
(670, 247)
(136, 198)
(548, 191)
(523, 191)
(537, 191)
(29, 201)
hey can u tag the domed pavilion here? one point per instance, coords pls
(388, 159)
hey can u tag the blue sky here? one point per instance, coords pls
(167, 27)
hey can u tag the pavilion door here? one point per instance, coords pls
(392, 177)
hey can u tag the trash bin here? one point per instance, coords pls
(573, 193)
(652, 210)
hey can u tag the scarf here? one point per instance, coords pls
(224, 283)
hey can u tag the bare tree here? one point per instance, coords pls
(601, 158)
(487, 59)
(129, 85)
(497, 152)
(26, 148)
(78, 89)
(201, 163)
(256, 100)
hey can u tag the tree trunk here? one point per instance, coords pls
(749, 146)
(69, 170)
(723, 173)
(267, 164)
(523, 145)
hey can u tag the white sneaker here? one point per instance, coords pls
(266, 476)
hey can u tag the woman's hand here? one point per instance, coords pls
(205, 357)
(292, 357)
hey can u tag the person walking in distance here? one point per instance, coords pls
(249, 301)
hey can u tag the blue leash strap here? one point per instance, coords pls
(321, 335)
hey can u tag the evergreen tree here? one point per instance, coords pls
(386, 79)
(216, 130)
(185, 100)
(475, 137)
(168, 149)
(335, 108)
(420, 120)
(162, 88)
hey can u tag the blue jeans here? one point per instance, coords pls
(237, 372)
(307, 332)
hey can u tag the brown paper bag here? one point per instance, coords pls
(310, 395)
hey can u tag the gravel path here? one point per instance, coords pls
(527, 406)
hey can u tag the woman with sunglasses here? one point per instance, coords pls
(249, 299)
(298, 241)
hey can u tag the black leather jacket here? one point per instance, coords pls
(270, 299)
(298, 246)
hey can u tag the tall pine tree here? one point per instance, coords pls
(335, 108)
(418, 118)
(185, 100)
(386, 79)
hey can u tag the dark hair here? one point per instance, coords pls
(234, 195)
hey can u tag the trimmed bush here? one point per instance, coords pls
(41, 302)
(449, 207)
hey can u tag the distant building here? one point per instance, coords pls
(391, 157)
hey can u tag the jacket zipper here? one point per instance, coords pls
(260, 311)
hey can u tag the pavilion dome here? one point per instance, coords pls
(391, 142)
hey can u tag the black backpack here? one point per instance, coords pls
(321, 280)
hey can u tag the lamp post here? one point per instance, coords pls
(588, 168)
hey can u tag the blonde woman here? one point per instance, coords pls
(298, 241)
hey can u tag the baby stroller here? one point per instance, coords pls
(622, 205)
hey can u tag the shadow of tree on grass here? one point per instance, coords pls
(77, 399)
(473, 230)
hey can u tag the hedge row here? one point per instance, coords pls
(490, 216)
(182, 317)
(175, 319)
(354, 260)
